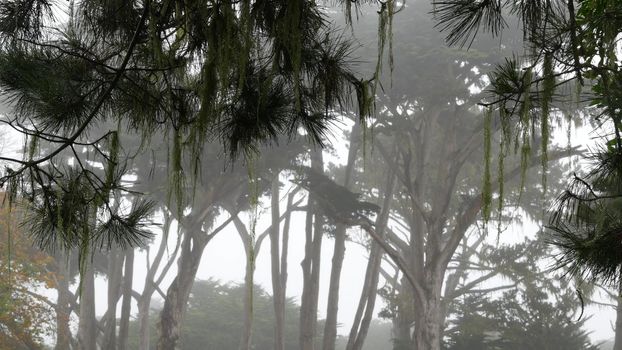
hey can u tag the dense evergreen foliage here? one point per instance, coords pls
(566, 43)
(242, 72)
(214, 319)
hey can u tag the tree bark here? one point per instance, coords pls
(143, 322)
(332, 309)
(115, 270)
(428, 315)
(247, 332)
(311, 266)
(368, 285)
(179, 291)
(126, 305)
(617, 344)
(275, 262)
(360, 327)
(144, 302)
(63, 309)
(87, 332)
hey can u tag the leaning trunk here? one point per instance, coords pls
(367, 302)
(367, 294)
(179, 291)
(332, 309)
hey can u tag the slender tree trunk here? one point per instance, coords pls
(371, 274)
(311, 266)
(332, 309)
(617, 345)
(87, 332)
(284, 255)
(275, 262)
(247, 332)
(115, 269)
(179, 291)
(63, 309)
(143, 322)
(144, 302)
(126, 305)
(360, 327)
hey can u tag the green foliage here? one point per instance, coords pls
(526, 319)
(244, 73)
(568, 43)
(214, 319)
(586, 223)
(529, 309)
(25, 319)
(336, 201)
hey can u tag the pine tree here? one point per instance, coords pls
(241, 72)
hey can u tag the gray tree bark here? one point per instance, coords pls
(115, 270)
(275, 263)
(63, 308)
(126, 305)
(617, 344)
(332, 309)
(311, 266)
(87, 327)
(151, 283)
(365, 309)
(179, 290)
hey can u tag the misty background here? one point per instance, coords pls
(300, 246)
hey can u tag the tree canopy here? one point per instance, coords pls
(245, 73)
(570, 47)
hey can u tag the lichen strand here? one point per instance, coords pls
(487, 186)
(548, 89)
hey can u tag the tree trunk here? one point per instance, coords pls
(371, 274)
(360, 327)
(247, 332)
(126, 305)
(63, 309)
(402, 323)
(428, 316)
(332, 309)
(143, 322)
(87, 332)
(144, 301)
(311, 266)
(275, 262)
(115, 269)
(617, 345)
(179, 291)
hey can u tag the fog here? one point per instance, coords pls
(357, 191)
